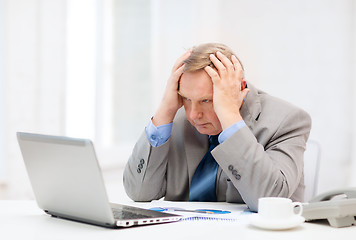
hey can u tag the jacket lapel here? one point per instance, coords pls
(196, 146)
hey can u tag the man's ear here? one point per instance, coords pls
(243, 84)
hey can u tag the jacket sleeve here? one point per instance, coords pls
(145, 172)
(270, 167)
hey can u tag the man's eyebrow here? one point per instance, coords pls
(201, 99)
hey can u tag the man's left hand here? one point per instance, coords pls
(229, 88)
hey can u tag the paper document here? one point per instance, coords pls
(202, 211)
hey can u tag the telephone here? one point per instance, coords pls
(338, 207)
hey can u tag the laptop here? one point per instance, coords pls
(67, 182)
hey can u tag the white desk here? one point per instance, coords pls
(24, 220)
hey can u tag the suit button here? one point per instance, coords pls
(142, 161)
(238, 177)
(139, 170)
(140, 166)
(234, 172)
(230, 167)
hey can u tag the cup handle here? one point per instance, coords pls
(300, 209)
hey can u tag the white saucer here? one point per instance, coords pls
(292, 222)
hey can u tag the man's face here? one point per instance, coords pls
(196, 89)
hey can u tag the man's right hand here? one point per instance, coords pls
(171, 100)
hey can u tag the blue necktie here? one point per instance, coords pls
(202, 187)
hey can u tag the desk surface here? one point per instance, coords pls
(24, 220)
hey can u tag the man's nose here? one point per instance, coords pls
(195, 112)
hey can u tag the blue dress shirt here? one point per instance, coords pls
(159, 135)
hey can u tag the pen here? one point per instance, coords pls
(197, 211)
(207, 211)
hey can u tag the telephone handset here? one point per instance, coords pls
(338, 207)
(337, 194)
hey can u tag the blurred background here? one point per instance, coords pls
(97, 69)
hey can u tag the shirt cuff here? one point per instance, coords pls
(158, 135)
(228, 132)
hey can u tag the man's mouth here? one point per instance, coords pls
(199, 125)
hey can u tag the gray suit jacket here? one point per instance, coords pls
(264, 158)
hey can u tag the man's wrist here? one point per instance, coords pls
(230, 120)
(158, 135)
(228, 132)
(158, 121)
(164, 116)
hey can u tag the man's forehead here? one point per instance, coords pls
(196, 78)
(196, 94)
(196, 85)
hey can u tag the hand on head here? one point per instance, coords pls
(228, 87)
(171, 100)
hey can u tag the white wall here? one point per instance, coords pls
(352, 170)
(35, 70)
(2, 92)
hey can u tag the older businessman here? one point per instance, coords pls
(215, 137)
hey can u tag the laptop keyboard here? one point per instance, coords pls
(122, 214)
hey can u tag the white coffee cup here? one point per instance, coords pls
(278, 208)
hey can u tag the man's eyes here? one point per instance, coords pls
(203, 101)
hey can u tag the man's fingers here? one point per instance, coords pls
(175, 77)
(237, 66)
(178, 71)
(212, 73)
(217, 63)
(225, 61)
(180, 60)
